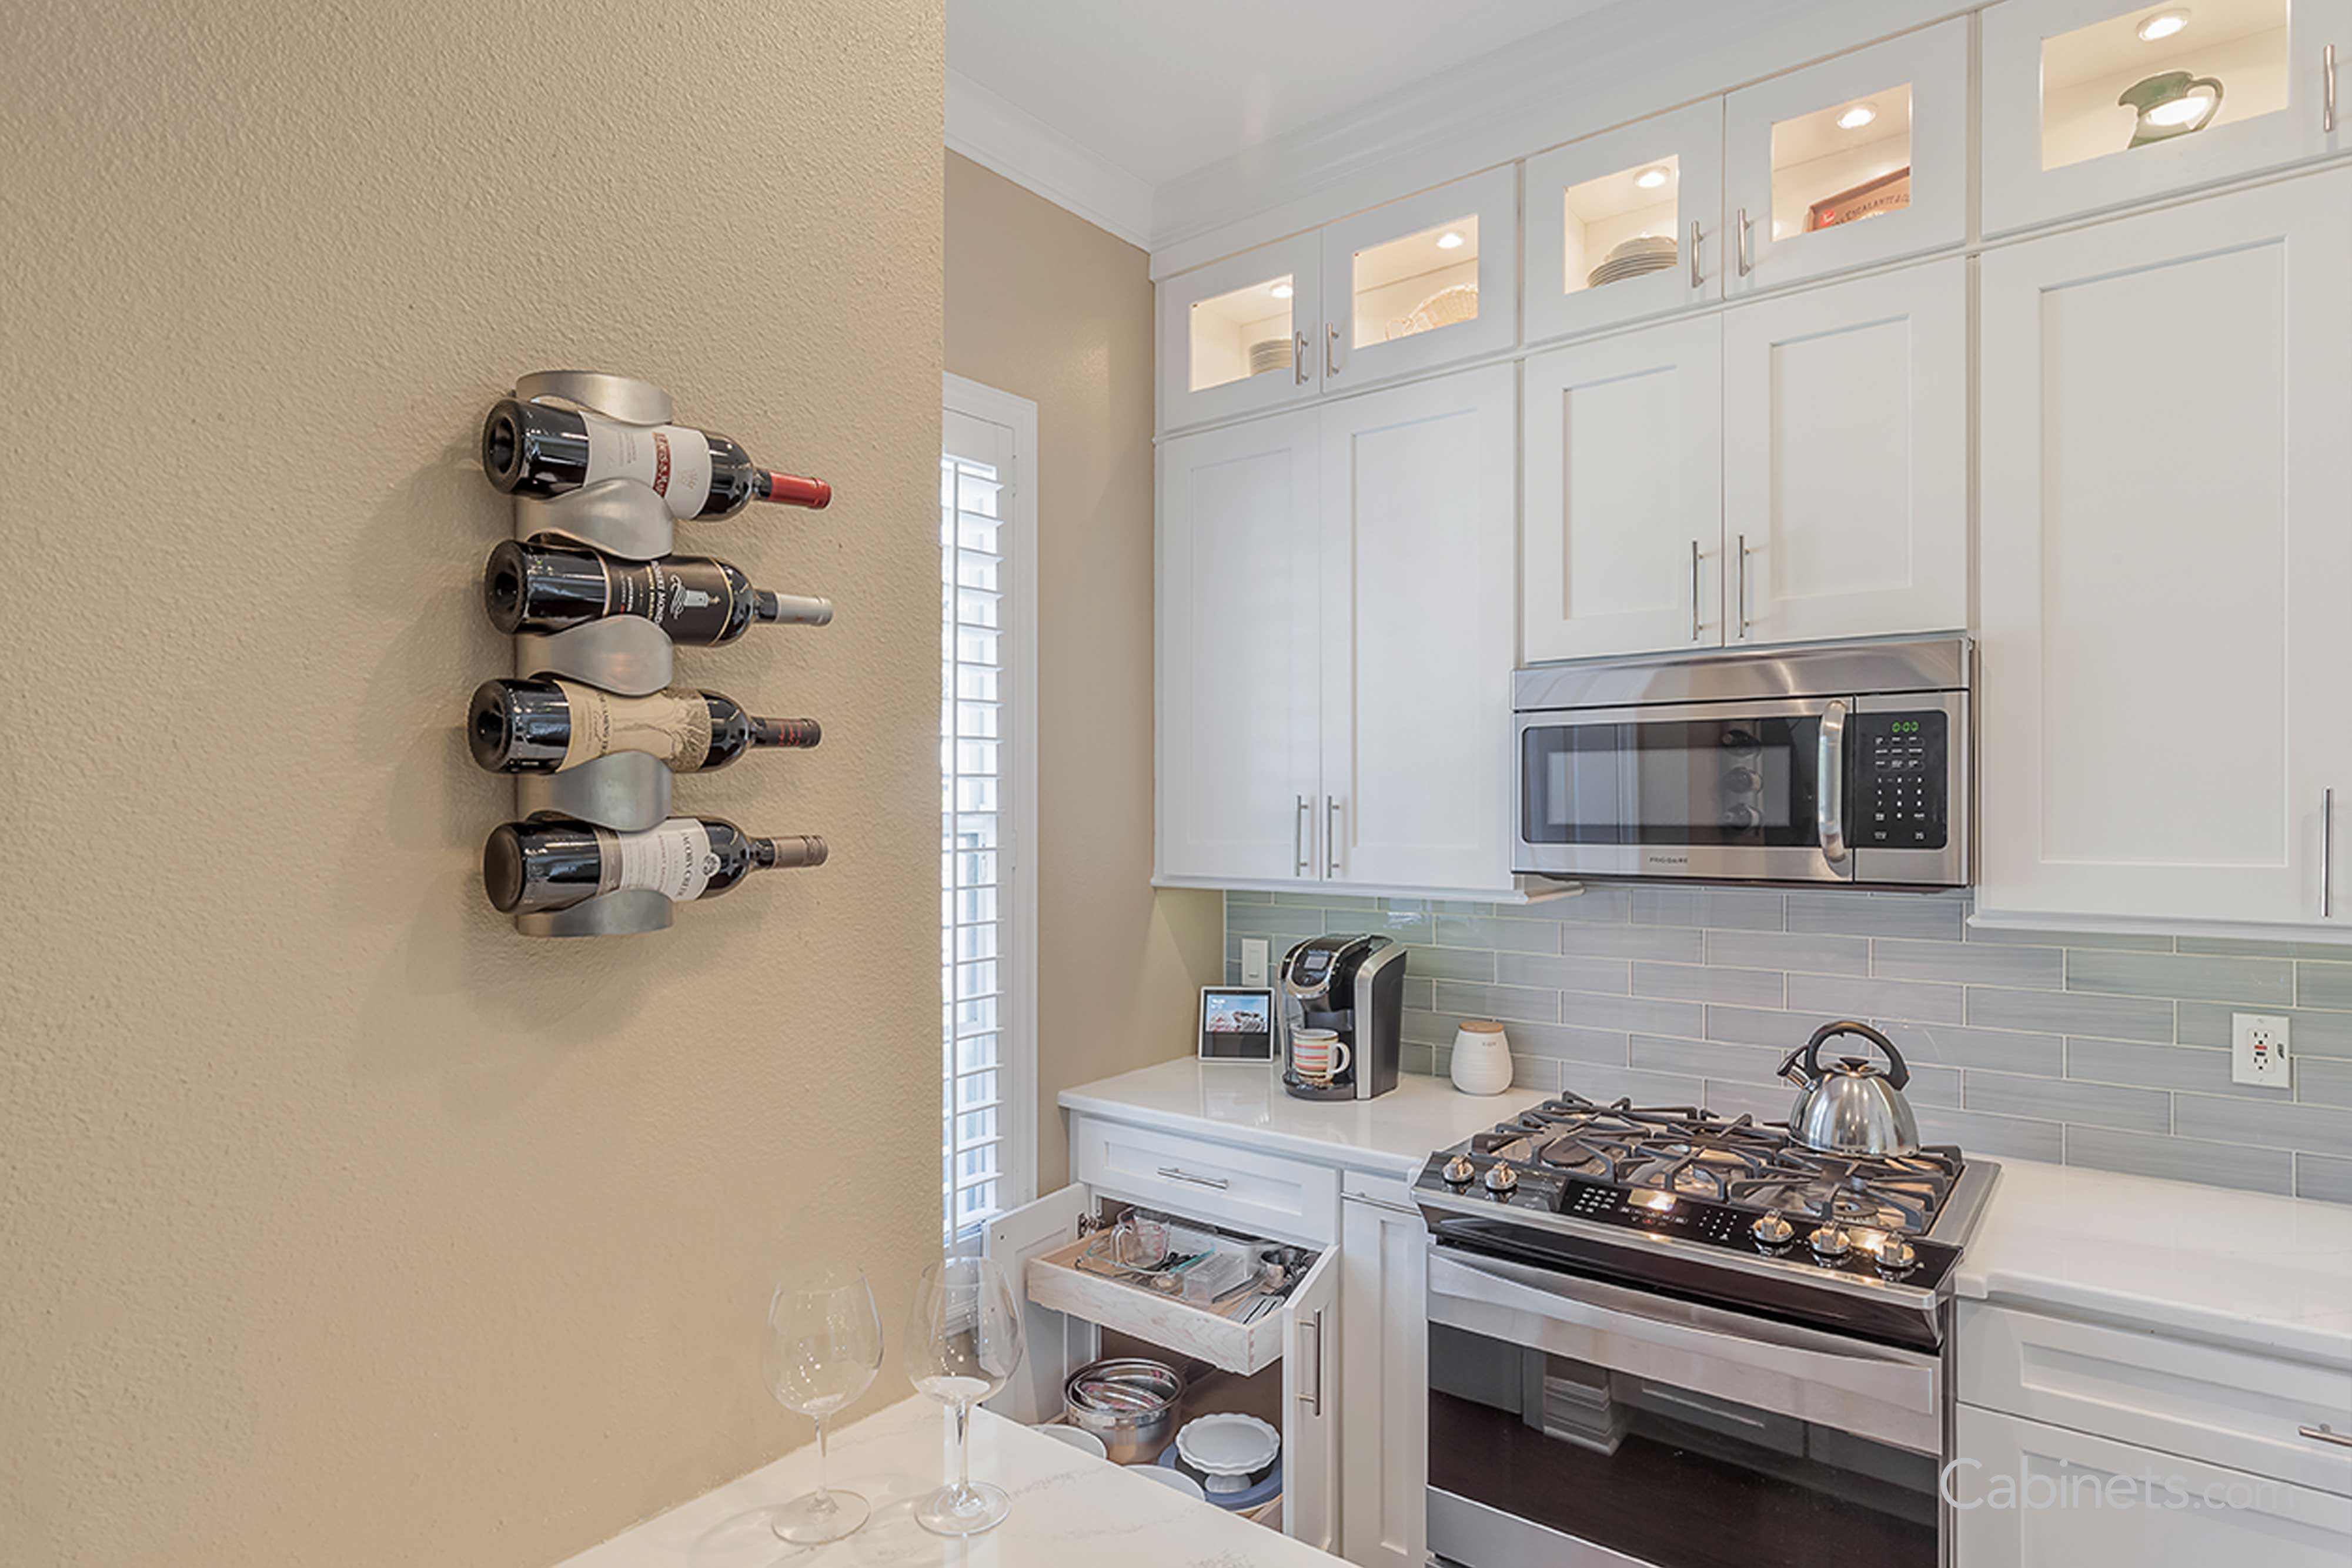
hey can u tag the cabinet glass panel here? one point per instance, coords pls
(1416, 283)
(1842, 164)
(1622, 226)
(1242, 334)
(2150, 76)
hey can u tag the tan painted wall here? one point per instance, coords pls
(338, 1223)
(1043, 304)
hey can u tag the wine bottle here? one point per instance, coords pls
(549, 726)
(553, 864)
(549, 587)
(538, 449)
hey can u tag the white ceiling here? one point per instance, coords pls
(1161, 88)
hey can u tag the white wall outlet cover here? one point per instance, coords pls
(2258, 1049)
(1254, 960)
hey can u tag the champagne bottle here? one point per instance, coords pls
(549, 726)
(538, 449)
(550, 587)
(553, 864)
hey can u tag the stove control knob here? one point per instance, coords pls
(1459, 1170)
(1897, 1258)
(1501, 1180)
(1772, 1230)
(1830, 1242)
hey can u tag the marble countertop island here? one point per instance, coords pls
(1069, 1509)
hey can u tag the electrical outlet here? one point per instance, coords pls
(2258, 1049)
(1254, 957)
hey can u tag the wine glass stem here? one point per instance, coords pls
(964, 1452)
(824, 1490)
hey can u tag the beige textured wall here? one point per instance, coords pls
(338, 1223)
(1043, 304)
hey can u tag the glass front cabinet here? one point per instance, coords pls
(2089, 104)
(1239, 336)
(1860, 160)
(1626, 225)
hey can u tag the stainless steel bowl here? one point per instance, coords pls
(1128, 1402)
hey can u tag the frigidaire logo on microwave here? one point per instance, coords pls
(1667, 859)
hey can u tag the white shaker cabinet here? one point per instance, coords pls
(1623, 485)
(1627, 224)
(2096, 103)
(1384, 1367)
(2166, 562)
(1415, 577)
(1845, 505)
(1242, 335)
(1421, 282)
(1240, 651)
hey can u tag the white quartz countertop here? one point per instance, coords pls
(1244, 1102)
(2249, 1268)
(1068, 1508)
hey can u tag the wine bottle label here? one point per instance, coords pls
(673, 860)
(675, 459)
(673, 726)
(688, 600)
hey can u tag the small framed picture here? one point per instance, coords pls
(1236, 1023)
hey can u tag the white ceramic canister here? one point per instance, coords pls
(1482, 1058)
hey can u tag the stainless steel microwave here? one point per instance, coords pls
(1845, 764)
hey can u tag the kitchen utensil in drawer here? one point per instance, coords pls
(1229, 1448)
(1130, 1402)
(1258, 1493)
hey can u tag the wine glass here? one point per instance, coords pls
(823, 1347)
(962, 1346)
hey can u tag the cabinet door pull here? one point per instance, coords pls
(1314, 1401)
(2327, 91)
(1302, 859)
(1331, 354)
(1695, 280)
(1742, 234)
(1330, 835)
(2324, 1433)
(1215, 1183)
(1694, 591)
(1299, 360)
(1829, 784)
(1743, 585)
(2326, 854)
(1380, 1203)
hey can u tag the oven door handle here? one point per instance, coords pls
(1660, 1337)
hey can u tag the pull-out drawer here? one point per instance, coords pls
(2243, 1411)
(1282, 1200)
(1214, 1331)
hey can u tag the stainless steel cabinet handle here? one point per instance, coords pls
(1330, 835)
(1743, 585)
(2326, 854)
(1314, 1402)
(1829, 788)
(1302, 859)
(1380, 1203)
(2327, 93)
(1695, 280)
(1299, 360)
(1218, 1184)
(1694, 591)
(1331, 354)
(2324, 1433)
(1742, 234)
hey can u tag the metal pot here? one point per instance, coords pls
(1850, 1107)
(1128, 1402)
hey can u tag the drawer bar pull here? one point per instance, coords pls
(2324, 1433)
(1173, 1173)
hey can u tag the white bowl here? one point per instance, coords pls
(1228, 1449)
(1174, 1480)
(1077, 1437)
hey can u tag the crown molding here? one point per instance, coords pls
(1606, 68)
(993, 132)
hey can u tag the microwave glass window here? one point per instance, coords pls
(1743, 782)
(2144, 76)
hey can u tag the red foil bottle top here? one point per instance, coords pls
(793, 490)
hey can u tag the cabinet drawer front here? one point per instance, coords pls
(1289, 1200)
(2030, 1496)
(1216, 1337)
(2223, 1406)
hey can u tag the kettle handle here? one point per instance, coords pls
(1811, 1054)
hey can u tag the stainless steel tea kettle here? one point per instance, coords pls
(1850, 1107)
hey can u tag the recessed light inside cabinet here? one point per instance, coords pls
(1860, 115)
(1651, 179)
(1449, 240)
(2163, 25)
(1281, 290)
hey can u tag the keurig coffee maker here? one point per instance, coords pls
(1346, 995)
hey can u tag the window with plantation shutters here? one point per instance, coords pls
(987, 575)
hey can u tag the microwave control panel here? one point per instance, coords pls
(1901, 762)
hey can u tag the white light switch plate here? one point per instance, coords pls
(2258, 1049)
(1253, 957)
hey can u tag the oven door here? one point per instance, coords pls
(1720, 791)
(1574, 1424)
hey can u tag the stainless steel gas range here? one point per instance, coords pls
(1661, 1337)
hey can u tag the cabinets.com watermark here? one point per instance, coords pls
(1965, 1486)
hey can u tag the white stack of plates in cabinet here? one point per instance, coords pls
(1643, 252)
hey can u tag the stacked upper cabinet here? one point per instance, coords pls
(1626, 225)
(1403, 289)
(2090, 104)
(1860, 160)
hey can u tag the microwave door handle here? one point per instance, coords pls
(1829, 787)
